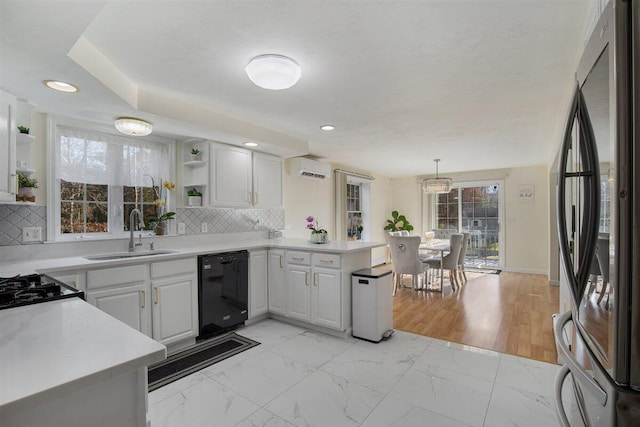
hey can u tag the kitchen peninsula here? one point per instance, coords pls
(67, 363)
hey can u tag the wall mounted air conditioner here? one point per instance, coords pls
(310, 168)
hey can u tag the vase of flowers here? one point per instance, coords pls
(318, 235)
(159, 221)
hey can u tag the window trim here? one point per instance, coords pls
(53, 190)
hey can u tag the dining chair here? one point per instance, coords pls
(462, 275)
(449, 261)
(405, 260)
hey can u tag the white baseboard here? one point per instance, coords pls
(378, 261)
(526, 271)
(554, 282)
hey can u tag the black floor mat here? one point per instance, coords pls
(201, 355)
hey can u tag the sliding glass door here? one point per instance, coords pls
(474, 208)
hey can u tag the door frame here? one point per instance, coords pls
(481, 183)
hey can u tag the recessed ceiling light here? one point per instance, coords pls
(273, 72)
(132, 126)
(327, 127)
(60, 86)
(251, 144)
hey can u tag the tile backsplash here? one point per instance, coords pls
(14, 217)
(229, 220)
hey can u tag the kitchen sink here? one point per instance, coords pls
(123, 255)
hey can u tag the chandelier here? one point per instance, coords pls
(437, 185)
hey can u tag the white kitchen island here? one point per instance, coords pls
(66, 363)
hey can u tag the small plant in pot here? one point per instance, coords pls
(26, 186)
(195, 197)
(196, 154)
(23, 129)
(160, 222)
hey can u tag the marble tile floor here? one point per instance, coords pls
(298, 377)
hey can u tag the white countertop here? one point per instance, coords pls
(53, 264)
(50, 348)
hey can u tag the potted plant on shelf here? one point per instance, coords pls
(196, 154)
(23, 129)
(26, 186)
(195, 197)
(398, 223)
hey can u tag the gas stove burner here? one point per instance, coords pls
(33, 288)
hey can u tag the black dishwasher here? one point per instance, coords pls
(223, 287)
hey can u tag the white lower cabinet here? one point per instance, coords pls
(326, 298)
(314, 291)
(127, 304)
(159, 299)
(258, 293)
(276, 278)
(174, 285)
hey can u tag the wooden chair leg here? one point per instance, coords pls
(464, 273)
(603, 291)
(452, 280)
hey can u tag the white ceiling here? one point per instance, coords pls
(480, 84)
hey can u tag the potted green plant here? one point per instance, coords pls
(398, 223)
(160, 222)
(196, 154)
(23, 129)
(195, 197)
(26, 186)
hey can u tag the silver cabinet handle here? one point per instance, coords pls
(306, 278)
(315, 279)
(249, 197)
(144, 298)
(156, 295)
(255, 198)
(326, 261)
(297, 258)
(281, 257)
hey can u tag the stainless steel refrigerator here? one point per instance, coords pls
(598, 340)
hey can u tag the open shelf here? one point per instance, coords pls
(25, 138)
(195, 163)
(26, 171)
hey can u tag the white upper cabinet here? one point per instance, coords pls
(242, 179)
(267, 181)
(8, 177)
(230, 176)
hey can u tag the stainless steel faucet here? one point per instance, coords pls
(132, 245)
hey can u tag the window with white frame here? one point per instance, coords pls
(354, 211)
(99, 178)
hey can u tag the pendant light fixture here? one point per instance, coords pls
(132, 126)
(274, 72)
(437, 185)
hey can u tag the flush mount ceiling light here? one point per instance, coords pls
(327, 127)
(60, 86)
(132, 126)
(436, 185)
(250, 144)
(273, 72)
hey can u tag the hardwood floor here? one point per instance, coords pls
(509, 313)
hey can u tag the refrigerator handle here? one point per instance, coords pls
(562, 414)
(572, 364)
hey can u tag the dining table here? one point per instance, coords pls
(436, 245)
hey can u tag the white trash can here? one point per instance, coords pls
(372, 304)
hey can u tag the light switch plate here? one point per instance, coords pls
(203, 227)
(181, 228)
(31, 234)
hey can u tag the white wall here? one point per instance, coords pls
(308, 196)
